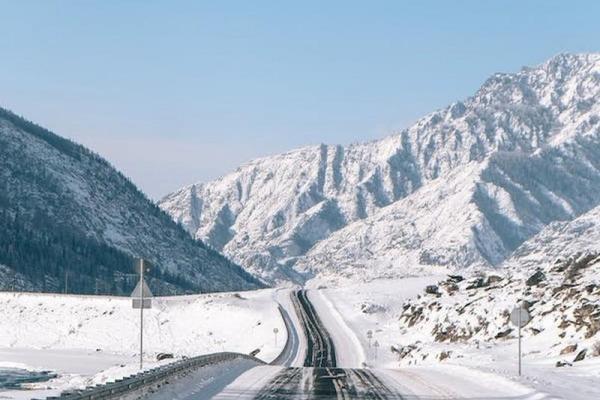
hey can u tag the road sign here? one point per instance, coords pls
(519, 317)
(141, 290)
(138, 303)
(141, 299)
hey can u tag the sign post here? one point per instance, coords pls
(376, 345)
(275, 331)
(520, 317)
(369, 336)
(141, 298)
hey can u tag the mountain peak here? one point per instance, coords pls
(487, 159)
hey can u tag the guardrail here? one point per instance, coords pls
(148, 378)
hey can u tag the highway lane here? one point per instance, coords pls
(320, 378)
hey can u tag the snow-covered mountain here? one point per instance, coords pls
(555, 275)
(463, 186)
(559, 241)
(69, 218)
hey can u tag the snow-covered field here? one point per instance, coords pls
(94, 339)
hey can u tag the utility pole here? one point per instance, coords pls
(66, 281)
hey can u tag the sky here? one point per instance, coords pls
(176, 92)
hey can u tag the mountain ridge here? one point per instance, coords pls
(271, 213)
(64, 208)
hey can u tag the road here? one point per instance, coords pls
(318, 362)
(319, 378)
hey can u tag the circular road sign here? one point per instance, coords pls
(520, 317)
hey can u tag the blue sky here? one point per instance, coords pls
(177, 92)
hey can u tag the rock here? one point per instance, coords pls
(569, 349)
(450, 287)
(560, 364)
(503, 334)
(455, 278)
(432, 289)
(163, 356)
(596, 349)
(536, 278)
(371, 308)
(477, 283)
(580, 356)
(403, 351)
(494, 279)
(444, 355)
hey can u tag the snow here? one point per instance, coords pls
(236, 379)
(95, 339)
(477, 178)
(345, 316)
(478, 367)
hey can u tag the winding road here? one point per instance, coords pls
(319, 378)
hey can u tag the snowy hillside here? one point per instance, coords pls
(560, 240)
(556, 274)
(458, 321)
(492, 170)
(66, 211)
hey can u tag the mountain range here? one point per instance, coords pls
(463, 187)
(70, 222)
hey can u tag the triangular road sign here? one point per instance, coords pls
(137, 292)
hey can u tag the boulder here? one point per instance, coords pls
(536, 278)
(580, 356)
(432, 289)
(477, 283)
(560, 364)
(444, 355)
(494, 279)
(503, 334)
(455, 278)
(569, 349)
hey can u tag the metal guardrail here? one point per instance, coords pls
(145, 379)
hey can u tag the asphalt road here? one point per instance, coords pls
(320, 378)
